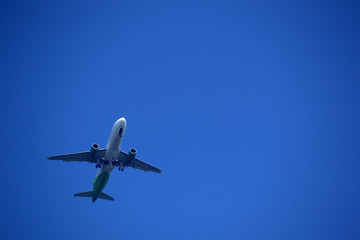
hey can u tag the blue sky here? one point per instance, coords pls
(250, 108)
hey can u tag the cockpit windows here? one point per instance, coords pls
(120, 132)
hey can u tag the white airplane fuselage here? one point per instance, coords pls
(112, 154)
(113, 145)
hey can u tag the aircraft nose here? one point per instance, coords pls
(121, 121)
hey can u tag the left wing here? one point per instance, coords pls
(80, 157)
(136, 163)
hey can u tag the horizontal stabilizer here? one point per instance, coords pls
(90, 194)
(84, 194)
(105, 196)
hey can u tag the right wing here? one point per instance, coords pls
(80, 157)
(136, 163)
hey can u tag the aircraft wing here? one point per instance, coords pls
(136, 163)
(79, 157)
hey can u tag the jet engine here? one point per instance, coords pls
(93, 150)
(132, 153)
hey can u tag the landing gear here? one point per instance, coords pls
(98, 164)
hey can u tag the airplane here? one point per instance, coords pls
(106, 160)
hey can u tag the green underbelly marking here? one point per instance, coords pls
(99, 183)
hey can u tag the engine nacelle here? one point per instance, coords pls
(132, 153)
(93, 150)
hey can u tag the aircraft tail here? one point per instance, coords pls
(84, 194)
(90, 194)
(105, 196)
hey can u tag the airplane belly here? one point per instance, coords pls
(110, 156)
(113, 146)
(99, 184)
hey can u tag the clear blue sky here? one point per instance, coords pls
(250, 108)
